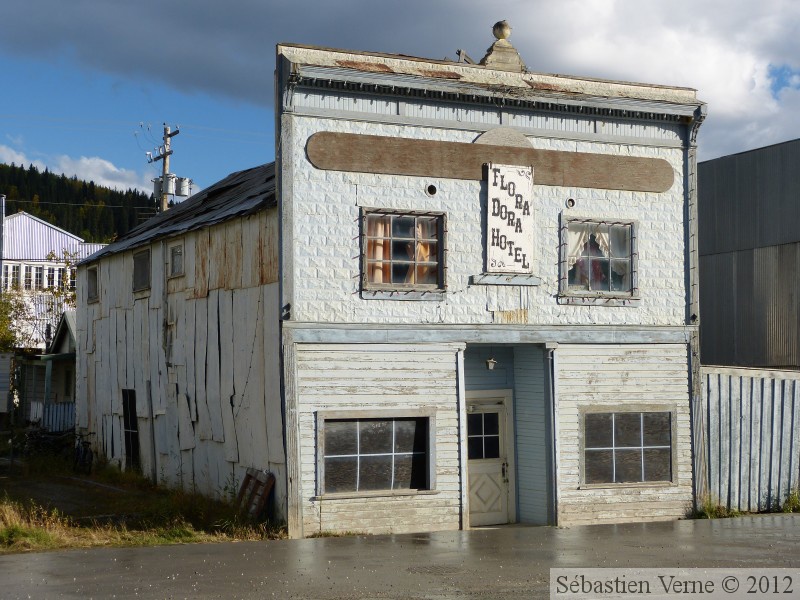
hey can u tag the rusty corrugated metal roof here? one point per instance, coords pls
(239, 194)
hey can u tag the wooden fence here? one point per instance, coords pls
(53, 417)
(747, 437)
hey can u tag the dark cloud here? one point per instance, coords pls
(226, 49)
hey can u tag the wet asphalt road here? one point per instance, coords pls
(508, 562)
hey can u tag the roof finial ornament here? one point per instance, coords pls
(502, 55)
(502, 30)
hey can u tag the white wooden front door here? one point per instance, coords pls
(489, 472)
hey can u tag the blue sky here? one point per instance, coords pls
(79, 82)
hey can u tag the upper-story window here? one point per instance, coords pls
(92, 285)
(176, 260)
(28, 277)
(598, 262)
(15, 276)
(51, 277)
(39, 277)
(141, 270)
(402, 251)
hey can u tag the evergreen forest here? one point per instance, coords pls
(93, 212)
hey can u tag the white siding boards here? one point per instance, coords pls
(617, 378)
(341, 323)
(379, 381)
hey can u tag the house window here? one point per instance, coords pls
(62, 279)
(72, 275)
(92, 288)
(51, 277)
(6, 271)
(141, 270)
(599, 259)
(627, 447)
(360, 455)
(15, 277)
(39, 278)
(176, 260)
(403, 251)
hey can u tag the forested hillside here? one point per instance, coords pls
(95, 213)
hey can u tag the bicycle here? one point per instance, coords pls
(83, 454)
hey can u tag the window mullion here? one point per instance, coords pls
(358, 455)
(613, 448)
(393, 454)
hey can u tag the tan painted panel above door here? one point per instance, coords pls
(455, 160)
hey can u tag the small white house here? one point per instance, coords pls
(464, 295)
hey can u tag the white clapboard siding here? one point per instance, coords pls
(749, 432)
(616, 377)
(380, 378)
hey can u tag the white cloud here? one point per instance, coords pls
(9, 155)
(99, 170)
(102, 172)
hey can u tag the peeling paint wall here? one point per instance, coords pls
(200, 351)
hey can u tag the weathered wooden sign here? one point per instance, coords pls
(358, 153)
(509, 219)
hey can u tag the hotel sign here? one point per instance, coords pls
(509, 219)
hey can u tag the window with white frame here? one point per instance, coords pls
(598, 259)
(370, 454)
(402, 251)
(51, 277)
(92, 287)
(28, 271)
(15, 276)
(176, 260)
(141, 270)
(38, 279)
(627, 447)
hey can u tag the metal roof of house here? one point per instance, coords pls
(239, 194)
(29, 238)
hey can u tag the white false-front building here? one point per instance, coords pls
(465, 294)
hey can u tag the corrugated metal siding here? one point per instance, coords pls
(749, 200)
(611, 378)
(375, 378)
(28, 238)
(750, 307)
(532, 430)
(751, 437)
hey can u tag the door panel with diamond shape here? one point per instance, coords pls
(487, 462)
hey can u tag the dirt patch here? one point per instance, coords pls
(72, 496)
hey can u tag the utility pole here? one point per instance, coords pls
(163, 154)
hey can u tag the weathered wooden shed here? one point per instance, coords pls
(473, 303)
(178, 334)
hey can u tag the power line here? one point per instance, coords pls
(76, 204)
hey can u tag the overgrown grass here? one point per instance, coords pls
(710, 508)
(792, 502)
(142, 515)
